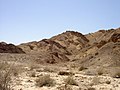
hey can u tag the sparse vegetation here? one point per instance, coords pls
(82, 68)
(33, 66)
(100, 71)
(5, 76)
(65, 73)
(16, 70)
(48, 69)
(70, 81)
(69, 61)
(45, 80)
(91, 88)
(96, 53)
(65, 87)
(96, 80)
(33, 74)
(108, 82)
(116, 75)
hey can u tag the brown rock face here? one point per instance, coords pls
(48, 50)
(57, 48)
(9, 48)
(73, 41)
(115, 37)
(101, 43)
(93, 48)
(104, 47)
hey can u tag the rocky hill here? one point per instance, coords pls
(57, 48)
(97, 48)
(9, 48)
(103, 49)
(72, 60)
(93, 48)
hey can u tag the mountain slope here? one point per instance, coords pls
(9, 48)
(58, 48)
(103, 50)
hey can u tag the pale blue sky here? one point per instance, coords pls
(28, 20)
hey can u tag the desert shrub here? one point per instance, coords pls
(91, 57)
(48, 69)
(100, 71)
(116, 75)
(16, 70)
(115, 72)
(96, 53)
(91, 88)
(33, 74)
(69, 80)
(90, 72)
(33, 66)
(73, 65)
(5, 76)
(96, 80)
(65, 73)
(108, 82)
(82, 68)
(65, 87)
(45, 80)
(5, 80)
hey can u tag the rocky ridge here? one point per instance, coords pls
(9, 48)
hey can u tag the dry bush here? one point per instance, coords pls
(100, 71)
(70, 81)
(5, 76)
(33, 74)
(45, 81)
(65, 73)
(82, 68)
(91, 72)
(108, 82)
(116, 75)
(48, 69)
(7, 70)
(115, 72)
(96, 80)
(33, 66)
(16, 70)
(65, 87)
(91, 88)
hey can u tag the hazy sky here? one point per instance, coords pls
(28, 20)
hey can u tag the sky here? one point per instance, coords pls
(32, 20)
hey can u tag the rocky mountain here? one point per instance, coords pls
(99, 48)
(9, 48)
(57, 48)
(103, 49)
(70, 60)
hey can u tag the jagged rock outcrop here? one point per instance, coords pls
(115, 37)
(48, 50)
(73, 41)
(103, 49)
